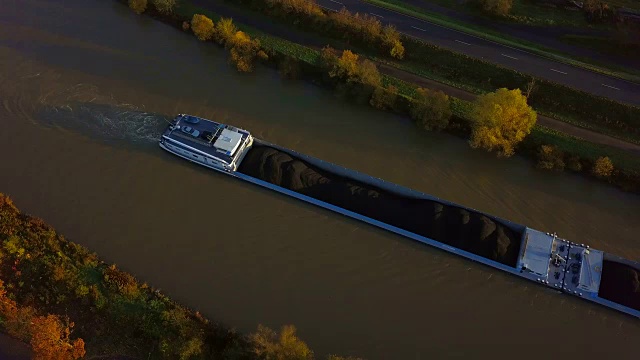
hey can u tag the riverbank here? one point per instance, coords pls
(47, 279)
(577, 152)
(564, 96)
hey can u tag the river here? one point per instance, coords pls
(86, 88)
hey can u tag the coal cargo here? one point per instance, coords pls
(455, 226)
(620, 283)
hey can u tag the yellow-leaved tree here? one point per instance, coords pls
(501, 120)
(603, 167)
(244, 51)
(202, 26)
(267, 344)
(346, 66)
(391, 39)
(225, 31)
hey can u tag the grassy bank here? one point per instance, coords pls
(626, 174)
(505, 39)
(50, 286)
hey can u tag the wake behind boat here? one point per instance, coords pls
(545, 258)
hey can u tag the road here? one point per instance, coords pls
(520, 60)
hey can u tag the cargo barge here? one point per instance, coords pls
(569, 267)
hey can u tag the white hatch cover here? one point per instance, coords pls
(228, 141)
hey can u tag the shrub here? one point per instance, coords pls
(501, 120)
(431, 109)
(244, 51)
(384, 98)
(574, 163)
(268, 344)
(597, 11)
(202, 26)
(497, 7)
(289, 68)
(391, 40)
(603, 167)
(348, 67)
(345, 67)
(122, 282)
(550, 158)
(138, 6)
(165, 7)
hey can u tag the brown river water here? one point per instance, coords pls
(86, 87)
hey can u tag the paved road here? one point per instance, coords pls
(617, 89)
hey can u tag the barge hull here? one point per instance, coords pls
(561, 283)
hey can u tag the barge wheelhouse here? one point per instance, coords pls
(214, 145)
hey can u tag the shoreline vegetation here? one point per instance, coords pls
(359, 33)
(356, 78)
(67, 304)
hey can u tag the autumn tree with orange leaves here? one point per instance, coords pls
(48, 335)
(50, 340)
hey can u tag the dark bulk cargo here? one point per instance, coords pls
(620, 283)
(463, 229)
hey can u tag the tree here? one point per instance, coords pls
(48, 335)
(16, 320)
(189, 341)
(497, 7)
(346, 67)
(550, 158)
(165, 7)
(138, 6)
(202, 26)
(225, 31)
(391, 39)
(384, 98)
(50, 340)
(244, 51)
(501, 120)
(530, 87)
(284, 346)
(603, 167)
(289, 68)
(431, 109)
(367, 73)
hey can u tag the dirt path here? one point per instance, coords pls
(314, 41)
